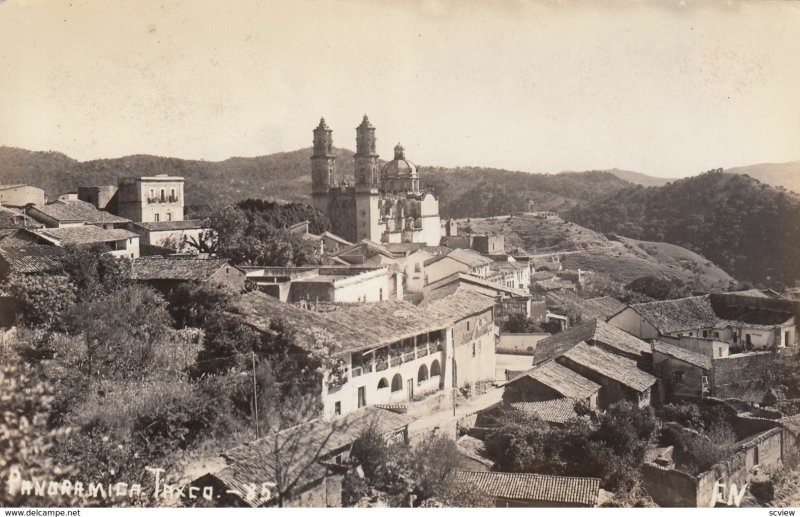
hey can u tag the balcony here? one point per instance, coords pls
(165, 199)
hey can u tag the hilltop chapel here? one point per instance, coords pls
(385, 205)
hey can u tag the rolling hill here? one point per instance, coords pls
(287, 176)
(786, 175)
(621, 259)
(746, 227)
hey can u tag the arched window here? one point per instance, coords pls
(435, 368)
(422, 374)
(383, 383)
(397, 382)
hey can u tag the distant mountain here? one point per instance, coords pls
(287, 176)
(785, 175)
(637, 178)
(746, 227)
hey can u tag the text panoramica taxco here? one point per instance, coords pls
(159, 488)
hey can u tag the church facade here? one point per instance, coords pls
(386, 204)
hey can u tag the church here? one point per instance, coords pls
(386, 204)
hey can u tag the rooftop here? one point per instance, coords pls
(609, 365)
(85, 234)
(297, 451)
(12, 218)
(176, 268)
(603, 307)
(463, 279)
(556, 411)
(561, 379)
(163, 226)
(678, 315)
(76, 210)
(533, 487)
(469, 257)
(32, 258)
(595, 330)
(681, 354)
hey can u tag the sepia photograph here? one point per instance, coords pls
(399, 254)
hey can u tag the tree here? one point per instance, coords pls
(659, 288)
(41, 297)
(121, 330)
(25, 440)
(191, 303)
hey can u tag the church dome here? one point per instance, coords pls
(399, 167)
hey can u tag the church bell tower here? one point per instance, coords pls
(367, 183)
(323, 166)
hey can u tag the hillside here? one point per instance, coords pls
(637, 178)
(786, 175)
(461, 191)
(746, 227)
(623, 260)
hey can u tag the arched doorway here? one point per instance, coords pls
(397, 383)
(422, 374)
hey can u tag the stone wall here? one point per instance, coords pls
(737, 375)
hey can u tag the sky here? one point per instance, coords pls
(666, 88)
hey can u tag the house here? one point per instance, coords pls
(31, 259)
(169, 234)
(120, 243)
(334, 284)
(63, 214)
(745, 322)
(151, 198)
(520, 343)
(13, 218)
(21, 195)
(551, 381)
(683, 373)
(166, 273)
(301, 461)
(532, 490)
(553, 411)
(591, 308)
(457, 261)
(510, 273)
(390, 352)
(482, 243)
(692, 316)
(594, 332)
(409, 260)
(510, 300)
(708, 347)
(620, 378)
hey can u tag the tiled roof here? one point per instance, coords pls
(555, 411)
(603, 307)
(464, 278)
(678, 315)
(611, 366)
(594, 330)
(32, 258)
(501, 265)
(563, 380)
(163, 226)
(469, 257)
(86, 234)
(297, 451)
(176, 268)
(683, 355)
(76, 210)
(19, 237)
(364, 326)
(11, 218)
(533, 487)
(542, 275)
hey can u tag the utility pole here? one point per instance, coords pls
(255, 395)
